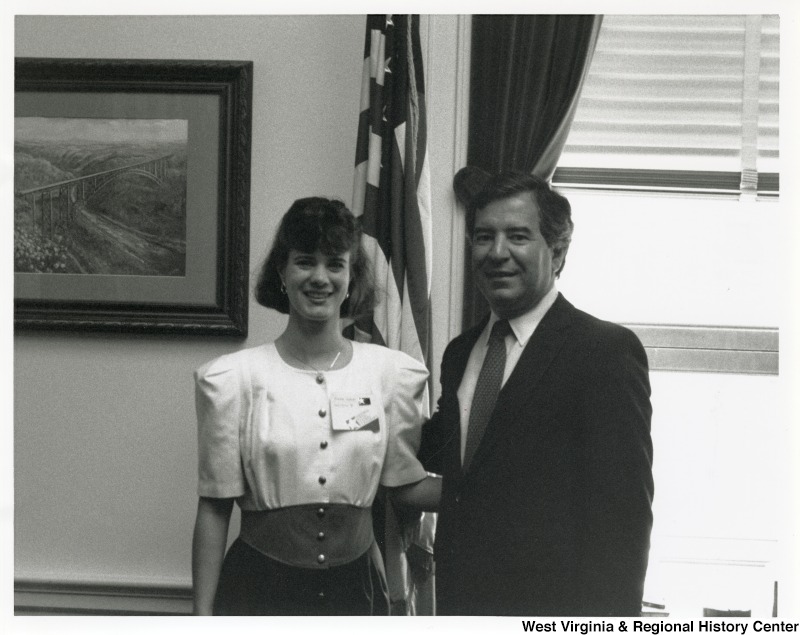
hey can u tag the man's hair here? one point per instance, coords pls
(311, 224)
(555, 212)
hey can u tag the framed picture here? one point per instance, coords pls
(132, 195)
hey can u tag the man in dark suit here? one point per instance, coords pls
(547, 490)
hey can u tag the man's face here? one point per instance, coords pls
(514, 268)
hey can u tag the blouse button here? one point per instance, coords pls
(320, 379)
(322, 412)
(321, 535)
(321, 558)
(322, 480)
(321, 512)
(323, 444)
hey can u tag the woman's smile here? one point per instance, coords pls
(318, 295)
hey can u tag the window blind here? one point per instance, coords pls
(679, 102)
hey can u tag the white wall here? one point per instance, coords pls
(105, 449)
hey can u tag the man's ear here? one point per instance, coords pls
(559, 259)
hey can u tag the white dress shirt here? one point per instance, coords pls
(522, 328)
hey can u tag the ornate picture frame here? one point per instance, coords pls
(132, 195)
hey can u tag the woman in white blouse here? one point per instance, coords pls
(300, 432)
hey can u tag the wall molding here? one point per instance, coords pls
(712, 349)
(42, 597)
(458, 251)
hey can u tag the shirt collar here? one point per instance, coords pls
(524, 325)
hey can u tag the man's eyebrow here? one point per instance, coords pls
(518, 229)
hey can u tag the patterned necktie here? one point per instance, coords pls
(487, 388)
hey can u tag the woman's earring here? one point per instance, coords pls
(283, 288)
(347, 296)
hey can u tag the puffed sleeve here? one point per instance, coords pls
(405, 393)
(218, 401)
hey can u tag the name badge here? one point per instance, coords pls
(352, 412)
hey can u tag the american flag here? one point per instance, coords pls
(391, 191)
(391, 194)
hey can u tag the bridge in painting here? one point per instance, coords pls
(55, 203)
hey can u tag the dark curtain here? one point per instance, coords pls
(525, 77)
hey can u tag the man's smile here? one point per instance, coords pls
(499, 274)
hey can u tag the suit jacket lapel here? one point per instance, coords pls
(545, 343)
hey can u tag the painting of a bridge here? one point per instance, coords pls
(100, 196)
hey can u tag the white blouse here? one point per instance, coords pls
(266, 429)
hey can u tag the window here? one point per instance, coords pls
(689, 104)
(679, 103)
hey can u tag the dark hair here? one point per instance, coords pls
(317, 223)
(555, 212)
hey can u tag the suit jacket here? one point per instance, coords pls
(553, 514)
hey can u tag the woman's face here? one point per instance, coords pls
(316, 283)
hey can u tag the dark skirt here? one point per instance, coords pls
(253, 584)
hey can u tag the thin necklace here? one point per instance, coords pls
(320, 377)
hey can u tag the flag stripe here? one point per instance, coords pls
(391, 192)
